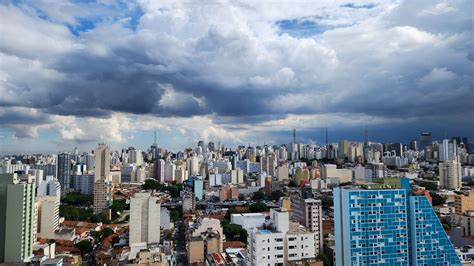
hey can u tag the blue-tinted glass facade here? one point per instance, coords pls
(431, 245)
(380, 227)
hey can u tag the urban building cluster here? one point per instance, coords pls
(343, 203)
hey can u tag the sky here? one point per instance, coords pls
(75, 73)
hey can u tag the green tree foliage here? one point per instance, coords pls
(85, 246)
(292, 183)
(176, 214)
(258, 207)
(77, 199)
(327, 201)
(428, 185)
(118, 206)
(322, 257)
(152, 184)
(106, 232)
(115, 240)
(276, 195)
(259, 195)
(80, 214)
(446, 227)
(234, 232)
(436, 199)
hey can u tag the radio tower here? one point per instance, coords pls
(327, 138)
(366, 135)
(294, 136)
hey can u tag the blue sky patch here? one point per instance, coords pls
(366, 6)
(301, 27)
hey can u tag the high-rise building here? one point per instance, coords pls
(414, 145)
(48, 169)
(144, 219)
(103, 197)
(309, 213)
(268, 164)
(450, 174)
(425, 140)
(64, 170)
(101, 162)
(159, 170)
(17, 219)
(388, 227)
(135, 156)
(48, 216)
(447, 150)
(83, 183)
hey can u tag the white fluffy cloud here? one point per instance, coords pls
(226, 69)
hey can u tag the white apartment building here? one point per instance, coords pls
(280, 243)
(144, 219)
(450, 174)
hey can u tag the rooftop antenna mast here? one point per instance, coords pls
(366, 134)
(294, 136)
(327, 137)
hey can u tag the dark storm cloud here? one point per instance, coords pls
(20, 116)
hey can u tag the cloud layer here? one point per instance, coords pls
(232, 70)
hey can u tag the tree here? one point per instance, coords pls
(152, 184)
(77, 199)
(446, 227)
(115, 240)
(327, 201)
(322, 257)
(234, 232)
(258, 207)
(292, 183)
(85, 246)
(276, 195)
(428, 185)
(436, 199)
(259, 195)
(106, 232)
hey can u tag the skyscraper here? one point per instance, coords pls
(103, 196)
(17, 219)
(101, 162)
(450, 174)
(425, 140)
(388, 227)
(144, 219)
(447, 150)
(309, 213)
(64, 170)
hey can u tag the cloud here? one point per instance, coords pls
(225, 68)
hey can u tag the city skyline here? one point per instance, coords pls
(237, 72)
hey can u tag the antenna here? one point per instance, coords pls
(366, 135)
(294, 136)
(327, 138)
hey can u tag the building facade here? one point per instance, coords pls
(388, 227)
(17, 219)
(144, 219)
(450, 174)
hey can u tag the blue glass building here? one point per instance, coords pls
(388, 227)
